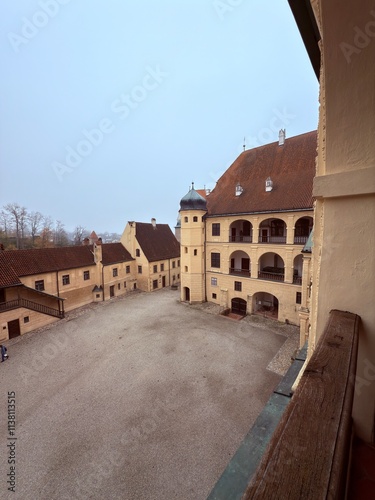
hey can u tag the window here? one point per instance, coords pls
(277, 227)
(214, 296)
(161, 267)
(238, 286)
(178, 276)
(137, 252)
(97, 295)
(174, 277)
(65, 279)
(195, 218)
(135, 286)
(186, 219)
(155, 284)
(124, 284)
(39, 285)
(216, 229)
(127, 269)
(115, 272)
(118, 286)
(186, 249)
(195, 251)
(26, 319)
(298, 298)
(155, 268)
(178, 263)
(139, 269)
(215, 259)
(173, 264)
(186, 269)
(86, 275)
(214, 281)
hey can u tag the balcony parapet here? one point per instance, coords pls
(246, 273)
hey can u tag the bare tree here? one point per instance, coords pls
(46, 234)
(17, 215)
(78, 235)
(35, 220)
(60, 235)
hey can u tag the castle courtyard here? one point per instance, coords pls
(140, 397)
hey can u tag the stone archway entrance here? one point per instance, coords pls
(266, 304)
(238, 306)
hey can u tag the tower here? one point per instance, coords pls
(193, 207)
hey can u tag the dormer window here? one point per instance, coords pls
(269, 184)
(239, 189)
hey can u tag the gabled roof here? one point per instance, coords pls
(157, 243)
(44, 260)
(113, 253)
(291, 167)
(7, 275)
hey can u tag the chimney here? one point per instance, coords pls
(153, 222)
(281, 136)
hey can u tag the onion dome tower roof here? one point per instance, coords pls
(193, 201)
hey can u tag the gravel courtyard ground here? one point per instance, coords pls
(138, 398)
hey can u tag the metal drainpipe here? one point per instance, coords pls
(103, 279)
(204, 263)
(169, 271)
(57, 283)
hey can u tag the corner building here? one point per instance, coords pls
(241, 244)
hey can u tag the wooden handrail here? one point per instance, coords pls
(29, 304)
(308, 454)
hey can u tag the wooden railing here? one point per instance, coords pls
(272, 239)
(300, 240)
(297, 280)
(246, 273)
(240, 239)
(28, 304)
(308, 454)
(270, 276)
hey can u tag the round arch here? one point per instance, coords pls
(271, 267)
(302, 229)
(238, 306)
(240, 264)
(272, 230)
(265, 304)
(241, 231)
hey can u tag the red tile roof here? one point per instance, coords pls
(7, 275)
(202, 192)
(157, 243)
(44, 260)
(291, 168)
(113, 253)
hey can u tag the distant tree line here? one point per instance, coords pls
(20, 228)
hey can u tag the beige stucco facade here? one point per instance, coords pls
(343, 259)
(242, 261)
(151, 275)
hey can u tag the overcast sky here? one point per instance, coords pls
(111, 108)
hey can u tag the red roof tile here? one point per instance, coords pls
(157, 243)
(7, 275)
(113, 253)
(291, 168)
(44, 260)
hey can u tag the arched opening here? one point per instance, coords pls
(297, 270)
(240, 264)
(302, 230)
(266, 304)
(238, 306)
(241, 231)
(271, 267)
(272, 231)
(186, 294)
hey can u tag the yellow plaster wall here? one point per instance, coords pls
(36, 320)
(343, 252)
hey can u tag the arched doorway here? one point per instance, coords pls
(266, 304)
(239, 306)
(187, 294)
